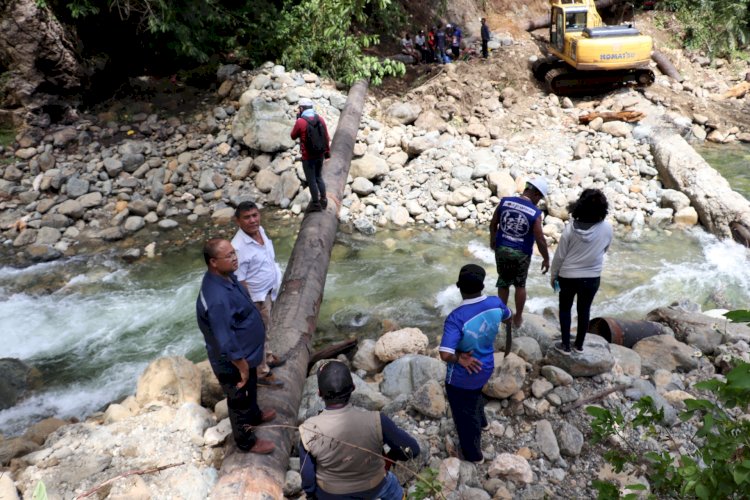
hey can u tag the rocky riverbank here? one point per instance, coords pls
(537, 446)
(440, 156)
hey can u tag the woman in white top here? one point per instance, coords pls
(577, 265)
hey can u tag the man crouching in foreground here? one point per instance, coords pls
(341, 450)
(234, 335)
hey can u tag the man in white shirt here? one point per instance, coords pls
(260, 274)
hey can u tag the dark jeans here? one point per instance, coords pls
(467, 407)
(485, 50)
(585, 288)
(243, 407)
(456, 52)
(313, 170)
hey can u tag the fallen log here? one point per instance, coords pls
(738, 91)
(609, 116)
(293, 321)
(666, 66)
(544, 21)
(595, 397)
(332, 351)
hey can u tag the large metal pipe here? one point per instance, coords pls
(294, 318)
(625, 332)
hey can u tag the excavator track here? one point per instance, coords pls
(569, 82)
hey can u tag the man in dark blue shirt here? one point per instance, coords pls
(234, 335)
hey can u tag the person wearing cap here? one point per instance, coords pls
(234, 334)
(260, 274)
(485, 38)
(578, 262)
(341, 449)
(312, 163)
(515, 226)
(421, 42)
(467, 346)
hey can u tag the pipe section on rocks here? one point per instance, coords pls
(723, 211)
(293, 322)
(625, 332)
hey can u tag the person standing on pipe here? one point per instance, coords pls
(577, 265)
(515, 226)
(468, 348)
(234, 334)
(341, 450)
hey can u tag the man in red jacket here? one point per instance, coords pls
(312, 161)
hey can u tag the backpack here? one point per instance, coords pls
(316, 142)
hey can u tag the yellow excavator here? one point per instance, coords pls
(588, 57)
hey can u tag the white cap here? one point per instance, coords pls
(540, 183)
(448, 25)
(305, 103)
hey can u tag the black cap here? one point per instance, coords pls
(335, 381)
(471, 278)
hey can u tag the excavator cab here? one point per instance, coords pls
(586, 56)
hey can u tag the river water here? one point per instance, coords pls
(93, 336)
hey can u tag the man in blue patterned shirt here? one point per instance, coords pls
(468, 348)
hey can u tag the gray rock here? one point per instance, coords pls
(628, 360)
(90, 200)
(48, 236)
(76, 187)
(570, 439)
(263, 126)
(429, 399)
(227, 70)
(409, 372)
(525, 347)
(365, 226)
(131, 162)
(365, 359)
(641, 388)
(664, 351)
(595, 359)
(540, 387)
(16, 447)
(71, 208)
(206, 182)
(556, 375)
(546, 440)
(507, 378)
(400, 403)
(674, 200)
(42, 253)
(362, 186)
(58, 220)
(138, 207)
(368, 166)
(17, 379)
(545, 332)
(25, 237)
(292, 483)
(113, 166)
(566, 393)
(111, 234)
(64, 136)
(46, 161)
(133, 223)
(167, 224)
(364, 396)
(403, 113)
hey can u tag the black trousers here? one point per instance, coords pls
(585, 289)
(485, 50)
(467, 407)
(243, 407)
(313, 174)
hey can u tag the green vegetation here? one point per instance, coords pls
(717, 461)
(719, 28)
(329, 37)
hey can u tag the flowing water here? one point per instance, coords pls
(106, 320)
(93, 337)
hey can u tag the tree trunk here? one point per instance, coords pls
(40, 56)
(608, 116)
(543, 21)
(293, 323)
(666, 66)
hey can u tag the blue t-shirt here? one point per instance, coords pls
(516, 224)
(472, 327)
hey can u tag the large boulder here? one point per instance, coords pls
(696, 329)
(525, 347)
(17, 379)
(539, 328)
(365, 358)
(508, 376)
(368, 166)
(512, 468)
(626, 360)
(263, 126)
(211, 391)
(664, 351)
(16, 447)
(398, 343)
(173, 380)
(431, 121)
(403, 113)
(595, 359)
(39, 432)
(429, 399)
(406, 374)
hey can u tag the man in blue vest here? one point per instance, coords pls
(515, 226)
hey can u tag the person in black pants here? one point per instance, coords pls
(485, 38)
(577, 265)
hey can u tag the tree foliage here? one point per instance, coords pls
(326, 36)
(720, 28)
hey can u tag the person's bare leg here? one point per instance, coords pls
(504, 294)
(520, 302)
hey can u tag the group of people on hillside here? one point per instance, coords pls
(342, 449)
(440, 44)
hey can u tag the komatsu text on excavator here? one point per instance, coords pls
(588, 57)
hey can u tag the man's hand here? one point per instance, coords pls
(244, 369)
(472, 364)
(545, 266)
